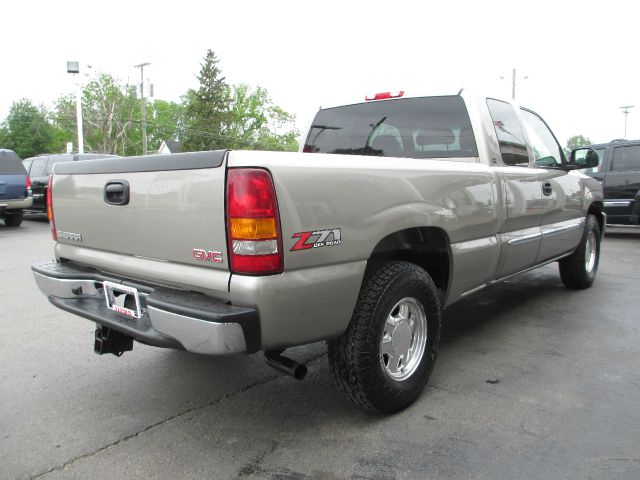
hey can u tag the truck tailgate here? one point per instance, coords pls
(175, 211)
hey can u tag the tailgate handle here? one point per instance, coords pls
(116, 192)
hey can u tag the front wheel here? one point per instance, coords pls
(578, 270)
(384, 359)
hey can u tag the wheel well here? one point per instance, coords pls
(427, 247)
(596, 209)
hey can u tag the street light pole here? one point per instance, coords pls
(74, 68)
(514, 82)
(144, 109)
(626, 114)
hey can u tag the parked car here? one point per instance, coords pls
(39, 168)
(15, 190)
(619, 172)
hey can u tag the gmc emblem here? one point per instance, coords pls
(207, 255)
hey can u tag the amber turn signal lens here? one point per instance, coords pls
(253, 228)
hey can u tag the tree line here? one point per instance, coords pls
(213, 116)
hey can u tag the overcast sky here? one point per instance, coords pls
(581, 58)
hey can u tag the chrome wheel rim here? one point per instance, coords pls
(404, 339)
(590, 252)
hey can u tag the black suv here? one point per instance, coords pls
(619, 173)
(39, 169)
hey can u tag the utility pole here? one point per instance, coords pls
(626, 114)
(144, 110)
(514, 82)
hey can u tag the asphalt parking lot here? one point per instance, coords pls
(532, 381)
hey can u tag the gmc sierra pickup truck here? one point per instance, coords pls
(395, 208)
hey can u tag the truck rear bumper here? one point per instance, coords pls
(170, 318)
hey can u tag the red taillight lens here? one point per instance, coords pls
(50, 209)
(28, 182)
(253, 224)
(250, 193)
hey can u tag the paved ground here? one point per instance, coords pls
(532, 381)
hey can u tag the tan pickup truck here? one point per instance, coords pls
(395, 208)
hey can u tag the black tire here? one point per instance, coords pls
(13, 219)
(356, 357)
(576, 271)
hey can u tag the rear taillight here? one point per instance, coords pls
(253, 223)
(50, 209)
(28, 182)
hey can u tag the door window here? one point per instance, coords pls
(509, 132)
(546, 151)
(626, 158)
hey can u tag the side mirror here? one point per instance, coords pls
(584, 158)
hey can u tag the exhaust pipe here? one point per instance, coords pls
(285, 364)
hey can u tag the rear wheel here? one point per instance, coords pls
(578, 270)
(384, 359)
(13, 219)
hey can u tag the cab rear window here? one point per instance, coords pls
(427, 127)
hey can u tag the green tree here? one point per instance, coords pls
(578, 141)
(165, 121)
(207, 109)
(111, 117)
(256, 123)
(27, 130)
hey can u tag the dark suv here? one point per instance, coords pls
(619, 173)
(39, 169)
(15, 191)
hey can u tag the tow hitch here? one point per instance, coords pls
(111, 341)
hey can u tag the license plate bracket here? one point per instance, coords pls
(115, 295)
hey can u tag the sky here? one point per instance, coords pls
(580, 58)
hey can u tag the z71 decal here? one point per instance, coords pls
(316, 239)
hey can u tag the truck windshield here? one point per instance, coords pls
(427, 127)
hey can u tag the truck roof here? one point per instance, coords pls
(468, 94)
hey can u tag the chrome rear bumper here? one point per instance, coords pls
(170, 318)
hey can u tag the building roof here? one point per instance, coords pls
(174, 146)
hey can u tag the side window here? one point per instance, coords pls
(39, 167)
(626, 158)
(509, 132)
(546, 151)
